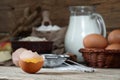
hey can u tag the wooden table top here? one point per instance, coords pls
(16, 73)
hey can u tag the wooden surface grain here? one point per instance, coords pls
(15, 73)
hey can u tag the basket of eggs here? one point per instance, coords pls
(102, 52)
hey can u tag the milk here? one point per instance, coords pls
(79, 27)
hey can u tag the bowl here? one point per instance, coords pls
(54, 60)
(41, 47)
(101, 58)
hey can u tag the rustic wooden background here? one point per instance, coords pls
(12, 10)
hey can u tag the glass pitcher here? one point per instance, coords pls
(83, 21)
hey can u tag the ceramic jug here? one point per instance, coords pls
(83, 21)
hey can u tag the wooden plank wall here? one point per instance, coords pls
(12, 10)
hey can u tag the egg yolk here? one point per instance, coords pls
(33, 60)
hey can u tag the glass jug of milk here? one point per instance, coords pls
(83, 21)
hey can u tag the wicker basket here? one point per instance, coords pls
(101, 58)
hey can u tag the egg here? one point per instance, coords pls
(114, 36)
(31, 62)
(114, 46)
(95, 41)
(16, 56)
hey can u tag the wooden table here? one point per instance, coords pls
(16, 73)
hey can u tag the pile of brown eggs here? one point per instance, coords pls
(112, 42)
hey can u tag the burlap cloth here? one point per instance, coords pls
(56, 36)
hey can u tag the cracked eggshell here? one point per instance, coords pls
(16, 56)
(31, 62)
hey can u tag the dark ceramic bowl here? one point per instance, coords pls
(37, 46)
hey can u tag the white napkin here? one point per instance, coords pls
(75, 68)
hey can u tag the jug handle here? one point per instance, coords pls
(101, 24)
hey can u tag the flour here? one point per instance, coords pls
(33, 38)
(48, 28)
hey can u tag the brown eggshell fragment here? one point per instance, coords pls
(31, 62)
(16, 55)
(114, 46)
(95, 41)
(114, 36)
(30, 67)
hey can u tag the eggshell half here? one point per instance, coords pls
(31, 62)
(31, 67)
(16, 55)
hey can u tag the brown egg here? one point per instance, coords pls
(114, 36)
(95, 41)
(31, 62)
(16, 55)
(114, 46)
